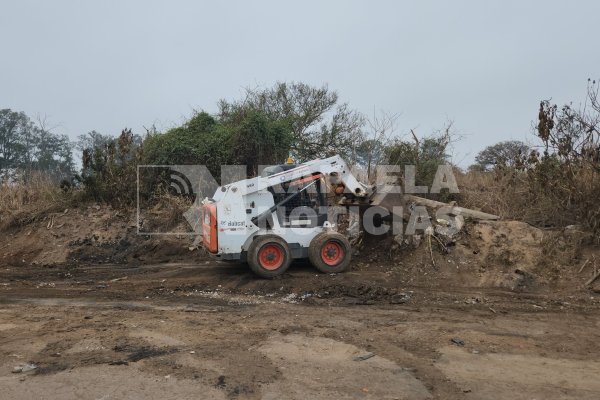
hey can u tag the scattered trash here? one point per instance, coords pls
(24, 368)
(364, 357)
(458, 342)
(400, 298)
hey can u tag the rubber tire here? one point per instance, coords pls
(254, 262)
(314, 252)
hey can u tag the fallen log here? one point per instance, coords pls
(454, 210)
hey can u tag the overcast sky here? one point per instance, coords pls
(104, 65)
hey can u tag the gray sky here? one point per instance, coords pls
(485, 65)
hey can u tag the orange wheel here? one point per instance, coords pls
(271, 256)
(329, 252)
(332, 253)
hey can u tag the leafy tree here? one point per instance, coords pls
(14, 128)
(26, 146)
(247, 137)
(256, 140)
(52, 153)
(320, 126)
(510, 153)
(426, 154)
(201, 140)
(92, 140)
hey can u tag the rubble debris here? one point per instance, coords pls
(24, 368)
(400, 298)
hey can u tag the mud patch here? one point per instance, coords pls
(115, 382)
(305, 361)
(493, 376)
(137, 353)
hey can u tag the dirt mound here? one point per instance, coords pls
(495, 254)
(505, 254)
(94, 234)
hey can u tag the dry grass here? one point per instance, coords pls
(21, 202)
(520, 196)
(506, 196)
(164, 212)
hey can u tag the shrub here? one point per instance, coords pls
(109, 172)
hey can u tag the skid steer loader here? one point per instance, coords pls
(281, 215)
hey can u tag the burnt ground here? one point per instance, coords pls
(96, 312)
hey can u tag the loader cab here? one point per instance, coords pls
(309, 208)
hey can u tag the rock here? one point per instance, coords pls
(24, 368)
(400, 298)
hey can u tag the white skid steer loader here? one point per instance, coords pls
(282, 215)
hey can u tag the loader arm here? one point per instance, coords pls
(334, 167)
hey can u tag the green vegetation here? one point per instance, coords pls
(555, 183)
(109, 172)
(262, 129)
(27, 147)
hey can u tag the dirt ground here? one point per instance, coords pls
(93, 311)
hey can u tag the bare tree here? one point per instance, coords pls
(381, 129)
